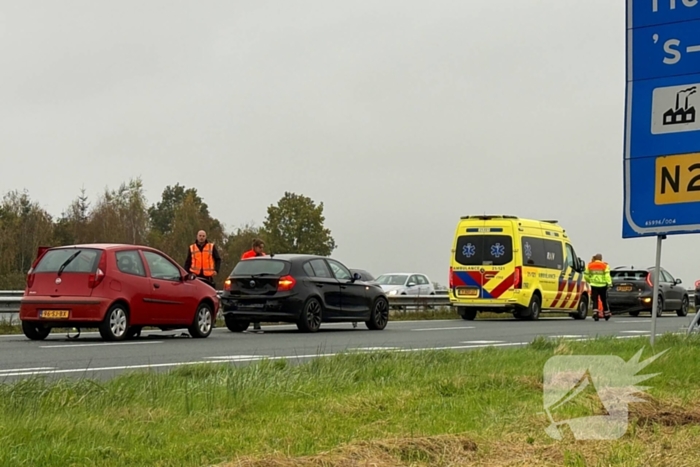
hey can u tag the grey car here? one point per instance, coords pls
(632, 292)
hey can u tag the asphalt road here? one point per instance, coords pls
(89, 356)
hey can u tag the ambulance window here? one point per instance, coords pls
(533, 252)
(476, 250)
(538, 252)
(570, 257)
(554, 254)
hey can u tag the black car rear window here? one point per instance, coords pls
(475, 250)
(629, 275)
(256, 266)
(86, 261)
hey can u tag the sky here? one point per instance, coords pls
(399, 115)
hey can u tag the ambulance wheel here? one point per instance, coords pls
(468, 314)
(534, 307)
(582, 309)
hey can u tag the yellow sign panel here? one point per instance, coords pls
(677, 179)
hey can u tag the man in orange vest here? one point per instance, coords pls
(597, 274)
(258, 249)
(203, 259)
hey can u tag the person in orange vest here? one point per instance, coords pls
(258, 249)
(597, 275)
(203, 259)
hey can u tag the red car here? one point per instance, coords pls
(116, 288)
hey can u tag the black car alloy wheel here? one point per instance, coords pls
(311, 315)
(380, 315)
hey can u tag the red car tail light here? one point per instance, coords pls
(649, 280)
(286, 284)
(96, 279)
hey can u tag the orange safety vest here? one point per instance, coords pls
(249, 254)
(202, 260)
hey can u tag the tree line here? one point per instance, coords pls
(296, 224)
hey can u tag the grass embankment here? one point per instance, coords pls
(388, 409)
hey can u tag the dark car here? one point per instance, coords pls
(303, 289)
(632, 292)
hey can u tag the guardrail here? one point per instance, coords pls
(10, 300)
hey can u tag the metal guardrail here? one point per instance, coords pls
(10, 300)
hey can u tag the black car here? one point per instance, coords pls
(303, 289)
(632, 292)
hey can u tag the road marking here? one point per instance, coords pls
(365, 349)
(633, 321)
(482, 342)
(26, 369)
(568, 336)
(65, 346)
(32, 372)
(443, 329)
(239, 358)
(636, 332)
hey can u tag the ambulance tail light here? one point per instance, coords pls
(452, 282)
(518, 278)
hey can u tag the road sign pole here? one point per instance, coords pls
(656, 289)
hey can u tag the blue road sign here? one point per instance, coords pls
(662, 119)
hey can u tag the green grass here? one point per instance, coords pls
(203, 415)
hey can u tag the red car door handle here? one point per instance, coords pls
(156, 286)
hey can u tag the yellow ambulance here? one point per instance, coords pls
(506, 264)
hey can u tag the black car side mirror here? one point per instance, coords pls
(190, 277)
(356, 277)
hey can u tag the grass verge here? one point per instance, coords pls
(384, 409)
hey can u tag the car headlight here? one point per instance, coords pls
(392, 292)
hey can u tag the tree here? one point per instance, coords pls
(188, 218)
(72, 226)
(120, 216)
(24, 226)
(296, 225)
(162, 214)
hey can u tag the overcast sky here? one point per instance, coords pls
(401, 116)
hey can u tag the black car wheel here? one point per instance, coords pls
(235, 325)
(35, 332)
(468, 314)
(660, 306)
(311, 316)
(380, 315)
(683, 311)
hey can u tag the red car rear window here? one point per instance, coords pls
(85, 262)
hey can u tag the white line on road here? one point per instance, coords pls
(238, 358)
(66, 346)
(366, 349)
(27, 372)
(2, 372)
(443, 329)
(568, 336)
(633, 321)
(482, 342)
(636, 332)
